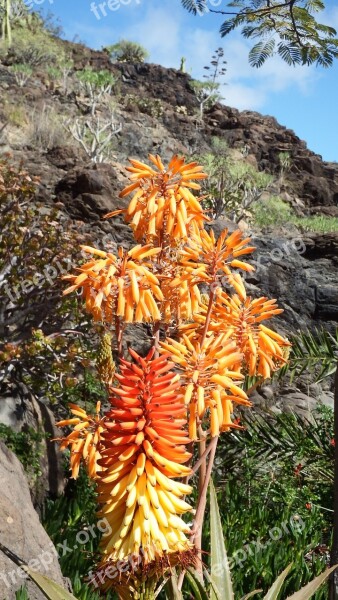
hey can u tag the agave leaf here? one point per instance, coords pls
(50, 589)
(220, 570)
(171, 586)
(247, 596)
(213, 587)
(308, 590)
(274, 591)
(199, 591)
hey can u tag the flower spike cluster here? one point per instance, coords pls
(205, 341)
(210, 375)
(204, 258)
(162, 202)
(120, 286)
(84, 440)
(263, 350)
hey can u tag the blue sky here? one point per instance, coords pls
(301, 98)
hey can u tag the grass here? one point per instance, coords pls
(274, 212)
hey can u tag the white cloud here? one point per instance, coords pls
(171, 34)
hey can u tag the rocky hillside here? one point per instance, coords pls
(156, 110)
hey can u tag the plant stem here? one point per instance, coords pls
(201, 477)
(208, 315)
(156, 336)
(118, 333)
(202, 502)
(204, 471)
(198, 463)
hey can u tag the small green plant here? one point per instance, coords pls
(22, 73)
(233, 186)
(127, 51)
(96, 85)
(15, 113)
(22, 594)
(274, 212)
(271, 212)
(26, 445)
(95, 135)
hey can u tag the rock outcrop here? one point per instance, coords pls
(21, 532)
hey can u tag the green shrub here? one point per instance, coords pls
(32, 48)
(232, 185)
(272, 212)
(275, 481)
(126, 51)
(318, 223)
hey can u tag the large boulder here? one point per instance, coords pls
(22, 412)
(21, 532)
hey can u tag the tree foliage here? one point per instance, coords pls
(289, 28)
(37, 245)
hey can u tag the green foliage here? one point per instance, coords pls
(37, 246)
(32, 48)
(315, 351)
(127, 51)
(273, 212)
(275, 484)
(22, 73)
(207, 94)
(22, 594)
(63, 519)
(300, 39)
(96, 85)
(232, 185)
(26, 445)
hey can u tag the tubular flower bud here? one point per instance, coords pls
(84, 440)
(210, 375)
(105, 364)
(143, 449)
(162, 203)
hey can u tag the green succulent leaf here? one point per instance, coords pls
(220, 570)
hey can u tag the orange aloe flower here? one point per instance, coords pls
(162, 202)
(143, 449)
(203, 260)
(263, 349)
(209, 374)
(84, 439)
(122, 286)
